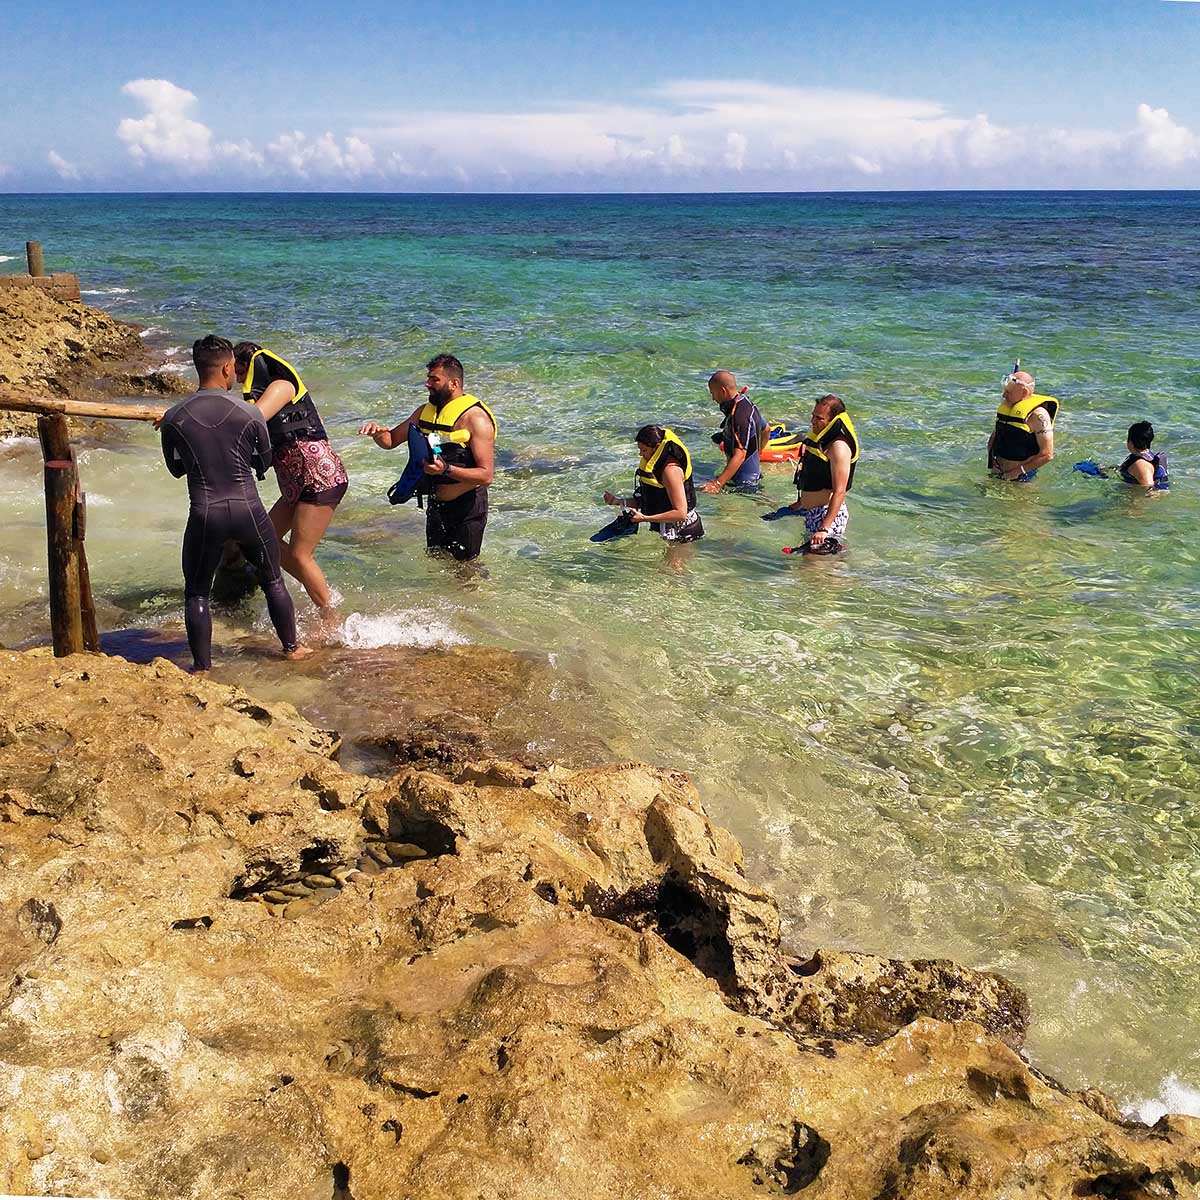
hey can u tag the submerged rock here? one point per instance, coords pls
(575, 991)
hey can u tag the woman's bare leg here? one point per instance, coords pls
(307, 523)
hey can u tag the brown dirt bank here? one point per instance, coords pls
(51, 347)
(236, 969)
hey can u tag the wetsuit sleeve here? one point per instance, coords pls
(171, 455)
(260, 448)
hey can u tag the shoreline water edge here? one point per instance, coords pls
(873, 1005)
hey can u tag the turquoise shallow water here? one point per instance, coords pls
(974, 735)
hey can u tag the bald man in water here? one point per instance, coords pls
(743, 433)
(1023, 438)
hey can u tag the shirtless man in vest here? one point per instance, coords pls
(1020, 386)
(458, 509)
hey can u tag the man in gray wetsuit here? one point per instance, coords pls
(221, 443)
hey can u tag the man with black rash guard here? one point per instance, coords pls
(220, 443)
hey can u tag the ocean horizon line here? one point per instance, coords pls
(612, 194)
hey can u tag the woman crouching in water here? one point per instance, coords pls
(312, 479)
(664, 494)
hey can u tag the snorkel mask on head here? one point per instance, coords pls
(1011, 375)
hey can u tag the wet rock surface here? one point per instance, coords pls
(64, 348)
(234, 968)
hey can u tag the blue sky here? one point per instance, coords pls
(584, 96)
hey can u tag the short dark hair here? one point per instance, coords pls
(208, 353)
(1141, 434)
(835, 404)
(447, 363)
(650, 435)
(243, 352)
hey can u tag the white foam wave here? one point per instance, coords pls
(405, 627)
(152, 331)
(7, 257)
(112, 291)
(1174, 1096)
(18, 440)
(177, 367)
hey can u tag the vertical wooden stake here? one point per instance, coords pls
(33, 254)
(66, 617)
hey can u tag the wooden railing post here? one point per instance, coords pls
(33, 255)
(72, 610)
(62, 485)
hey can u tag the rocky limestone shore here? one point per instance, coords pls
(234, 969)
(52, 347)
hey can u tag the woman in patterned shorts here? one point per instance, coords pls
(312, 479)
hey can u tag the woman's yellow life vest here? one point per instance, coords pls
(1014, 440)
(814, 473)
(645, 471)
(296, 421)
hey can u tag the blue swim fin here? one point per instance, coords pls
(1091, 467)
(407, 486)
(621, 527)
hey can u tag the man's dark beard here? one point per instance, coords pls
(439, 396)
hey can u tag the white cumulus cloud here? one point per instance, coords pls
(1162, 142)
(701, 134)
(66, 170)
(165, 134)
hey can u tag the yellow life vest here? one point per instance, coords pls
(298, 420)
(259, 374)
(1017, 414)
(815, 474)
(432, 419)
(645, 471)
(813, 443)
(1013, 440)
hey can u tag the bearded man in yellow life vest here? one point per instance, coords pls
(1023, 439)
(462, 466)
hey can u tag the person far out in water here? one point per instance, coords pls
(462, 437)
(664, 495)
(312, 479)
(1142, 466)
(1023, 439)
(828, 459)
(742, 435)
(221, 444)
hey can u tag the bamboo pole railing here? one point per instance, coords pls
(72, 611)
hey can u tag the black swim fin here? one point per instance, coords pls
(830, 545)
(623, 525)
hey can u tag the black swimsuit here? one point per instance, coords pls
(219, 442)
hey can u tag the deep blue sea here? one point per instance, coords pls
(973, 735)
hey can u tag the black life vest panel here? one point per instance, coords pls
(1157, 459)
(651, 490)
(1014, 440)
(814, 474)
(298, 421)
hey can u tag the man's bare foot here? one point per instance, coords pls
(297, 654)
(197, 670)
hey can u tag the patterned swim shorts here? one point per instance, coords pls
(813, 517)
(312, 472)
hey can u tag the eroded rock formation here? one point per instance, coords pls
(51, 347)
(235, 969)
